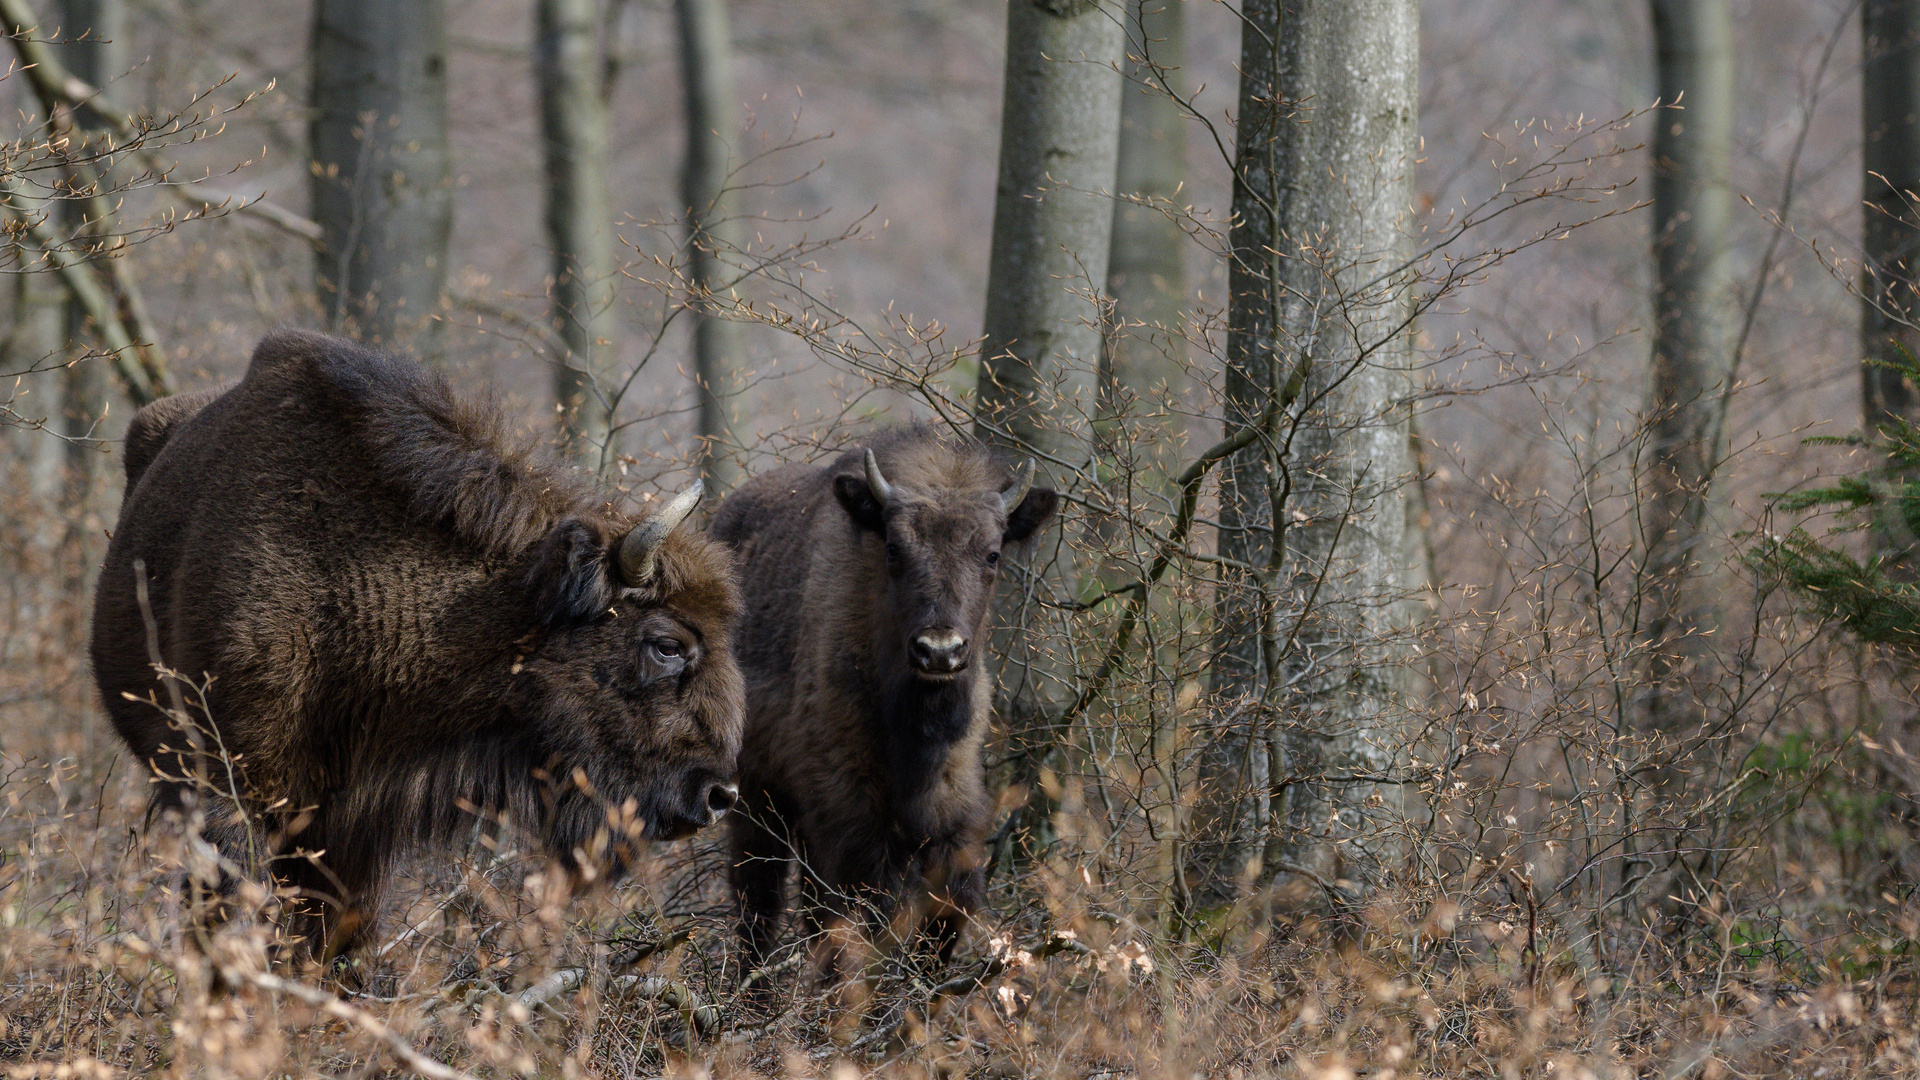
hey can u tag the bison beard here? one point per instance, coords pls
(404, 617)
(868, 586)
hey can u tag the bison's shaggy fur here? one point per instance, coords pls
(858, 762)
(404, 616)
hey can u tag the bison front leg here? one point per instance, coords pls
(849, 929)
(335, 880)
(956, 891)
(761, 852)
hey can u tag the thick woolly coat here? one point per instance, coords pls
(403, 617)
(870, 777)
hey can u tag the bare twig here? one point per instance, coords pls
(55, 85)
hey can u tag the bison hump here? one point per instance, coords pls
(153, 425)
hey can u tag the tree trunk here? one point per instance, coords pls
(1146, 275)
(1890, 311)
(1308, 673)
(381, 186)
(1694, 66)
(1052, 227)
(706, 73)
(97, 55)
(570, 66)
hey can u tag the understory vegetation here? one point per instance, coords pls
(1447, 761)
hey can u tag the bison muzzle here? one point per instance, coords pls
(406, 621)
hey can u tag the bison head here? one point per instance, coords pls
(630, 683)
(942, 549)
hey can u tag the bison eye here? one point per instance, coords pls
(993, 558)
(893, 552)
(666, 649)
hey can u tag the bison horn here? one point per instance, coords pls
(643, 541)
(877, 482)
(1022, 480)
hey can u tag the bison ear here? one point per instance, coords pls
(571, 580)
(857, 498)
(1033, 512)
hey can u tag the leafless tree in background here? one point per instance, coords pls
(571, 67)
(1693, 48)
(96, 53)
(1146, 271)
(1890, 135)
(381, 185)
(1052, 227)
(1307, 682)
(706, 80)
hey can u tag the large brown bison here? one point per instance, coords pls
(868, 586)
(404, 617)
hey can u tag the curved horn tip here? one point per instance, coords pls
(690, 496)
(877, 480)
(1011, 495)
(637, 549)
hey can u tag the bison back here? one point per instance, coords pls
(251, 528)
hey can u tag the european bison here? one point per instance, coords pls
(408, 617)
(868, 585)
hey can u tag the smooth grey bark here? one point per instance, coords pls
(381, 184)
(1693, 43)
(1052, 227)
(1146, 272)
(1295, 774)
(96, 53)
(570, 66)
(1890, 138)
(706, 80)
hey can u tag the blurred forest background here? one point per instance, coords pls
(1480, 639)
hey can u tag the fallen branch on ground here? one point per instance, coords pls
(372, 1025)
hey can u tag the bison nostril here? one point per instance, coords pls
(721, 797)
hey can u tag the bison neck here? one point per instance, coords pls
(920, 723)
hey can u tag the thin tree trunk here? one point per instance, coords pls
(381, 182)
(1691, 201)
(96, 53)
(706, 73)
(1890, 311)
(1146, 275)
(1143, 367)
(1318, 355)
(571, 68)
(37, 338)
(1052, 227)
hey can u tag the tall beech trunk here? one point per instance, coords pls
(1052, 227)
(1890, 280)
(1308, 673)
(706, 79)
(571, 67)
(1146, 273)
(382, 190)
(1693, 42)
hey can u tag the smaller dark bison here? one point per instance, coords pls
(868, 586)
(404, 617)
